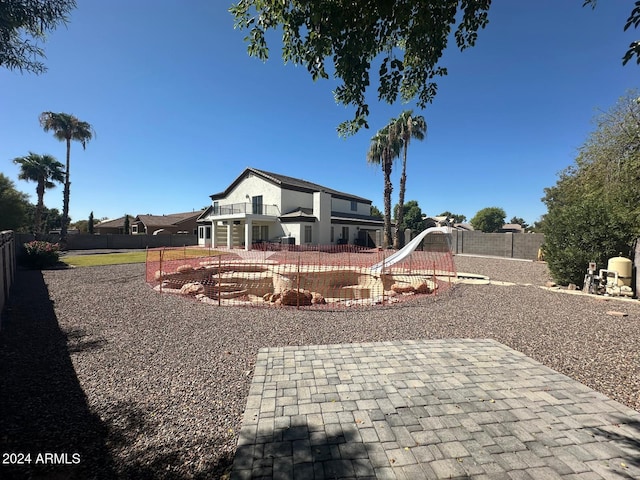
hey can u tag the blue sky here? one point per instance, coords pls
(180, 109)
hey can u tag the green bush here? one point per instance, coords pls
(589, 231)
(40, 254)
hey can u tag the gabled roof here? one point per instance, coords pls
(115, 223)
(167, 220)
(288, 183)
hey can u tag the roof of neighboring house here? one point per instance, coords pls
(512, 227)
(166, 220)
(288, 183)
(115, 223)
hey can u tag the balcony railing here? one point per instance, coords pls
(245, 208)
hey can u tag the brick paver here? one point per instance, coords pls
(428, 409)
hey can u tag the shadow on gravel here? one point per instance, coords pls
(43, 410)
(133, 432)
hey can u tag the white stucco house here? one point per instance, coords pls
(262, 206)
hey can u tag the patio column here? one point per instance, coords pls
(229, 235)
(247, 234)
(214, 233)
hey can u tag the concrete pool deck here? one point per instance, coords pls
(432, 409)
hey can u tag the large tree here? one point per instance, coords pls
(412, 216)
(44, 170)
(488, 220)
(66, 127)
(383, 150)
(13, 205)
(25, 23)
(407, 38)
(593, 211)
(408, 127)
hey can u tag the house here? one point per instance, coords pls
(262, 206)
(511, 228)
(166, 224)
(110, 227)
(152, 224)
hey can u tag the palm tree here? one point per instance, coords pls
(384, 148)
(407, 127)
(66, 127)
(44, 170)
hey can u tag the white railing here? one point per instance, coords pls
(245, 208)
(7, 264)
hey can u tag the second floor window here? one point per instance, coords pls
(354, 206)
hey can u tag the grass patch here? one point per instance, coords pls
(100, 259)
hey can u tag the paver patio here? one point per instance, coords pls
(430, 409)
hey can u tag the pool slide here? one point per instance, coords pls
(405, 251)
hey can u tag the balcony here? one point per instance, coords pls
(243, 209)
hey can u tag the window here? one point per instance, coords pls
(307, 234)
(216, 208)
(354, 206)
(345, 234)
(200, 232)
(134, 229)
(332, 235)
(259, 232)
(208, 233)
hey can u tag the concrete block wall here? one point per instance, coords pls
(115, 241)
(511, 245)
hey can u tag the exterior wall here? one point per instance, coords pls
(253, 186)
(340, 205)
(292, 199)
(322, 211)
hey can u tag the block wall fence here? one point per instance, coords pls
(510, 245)
(115, 241)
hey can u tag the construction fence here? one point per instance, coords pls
(314, 277)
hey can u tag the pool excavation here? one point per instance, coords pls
(331, 276)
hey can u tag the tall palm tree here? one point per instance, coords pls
(66, 127)
(384, 148)
(407, 127)
(44, 170)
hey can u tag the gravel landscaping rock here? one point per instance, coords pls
(145, 385)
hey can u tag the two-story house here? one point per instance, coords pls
(261, 206)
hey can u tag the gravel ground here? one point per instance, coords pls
(144, 385)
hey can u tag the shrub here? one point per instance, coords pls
(40, 254)
(587, 231)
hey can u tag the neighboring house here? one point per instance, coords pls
(110, 226)
(151, 224)
(442, 221)
(165, 224)
(511, 228)
(261, 206)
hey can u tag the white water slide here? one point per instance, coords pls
(405, 251)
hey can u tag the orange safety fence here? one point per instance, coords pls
(274, 275)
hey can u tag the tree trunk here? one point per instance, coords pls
(37, 221)
(397, 241)
(388, 188)
(65, 199)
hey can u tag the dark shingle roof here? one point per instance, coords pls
(289, 183)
